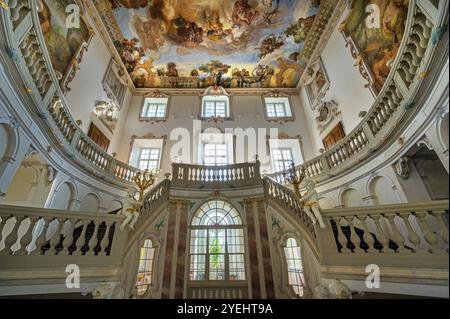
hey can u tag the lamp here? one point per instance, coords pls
(295, 178)
(143, 181)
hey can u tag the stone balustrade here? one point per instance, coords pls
(157, 196)
(287, 199)
(37, 231)
(213, 290)
(400, 228)
(226, 176)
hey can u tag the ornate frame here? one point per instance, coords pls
(152, 120)
(313, 70)
(333, 113)
(276, 94)
(110, 71)
(216, 91)
(72, 69)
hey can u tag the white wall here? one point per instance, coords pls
(86, 89)
(346, 87)
(247, 111)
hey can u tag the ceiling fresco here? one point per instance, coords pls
(199, 43)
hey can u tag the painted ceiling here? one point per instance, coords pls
(198, 43)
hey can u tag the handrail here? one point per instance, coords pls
(199, 176)
(391, 105)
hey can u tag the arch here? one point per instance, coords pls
(9, 142)
(443, 129)
(293, 259)
(65, 192)
(380, 187)
(90, 203)
(114, 205)
(146, 266)
(350, 197)
(217, 243)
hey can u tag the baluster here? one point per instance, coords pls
(381, 236)
(94, 239)
(429, 236)
(342, 239)
(68, 239)
(354, 238)
(367, 236)
(28, 237)
(105, 240)
(78, 249)
(412, 236)
(2, 225)
(443, 226)
(42, 238)
(56, 238)
(397, 237)
(11, 239)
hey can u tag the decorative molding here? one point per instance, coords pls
(402, 167)
(425, 142)
(316, 83)
(328, 114)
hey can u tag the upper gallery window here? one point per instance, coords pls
(149, 159)
(282, 159)
(277, 107)
(294, 266)
(154, 108)
(217, 243)
(145, 270)
(215, 106)
(215, 154)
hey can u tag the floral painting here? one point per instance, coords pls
(197, 43)
(376, 42)
(63, 44)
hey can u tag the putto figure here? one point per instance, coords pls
(311, 203)
(130, 209)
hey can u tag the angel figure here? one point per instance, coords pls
(130, 209)
(311, 203)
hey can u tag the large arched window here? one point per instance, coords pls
(294, 266)
(145, 270)
(217, 243)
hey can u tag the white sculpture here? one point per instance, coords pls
(311, 203)
(332, 289)
(339, 290)
(130, 209)
(102, 291)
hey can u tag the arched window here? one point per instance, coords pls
(145, 270)
(294, 266)
(217, 243)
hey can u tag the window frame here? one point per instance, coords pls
(154, 118)
(204, 145)
(151, 284)
(158, 167)
(226, 254)
(286, 117)
(286, 276)
(228, 113)
(275, 161)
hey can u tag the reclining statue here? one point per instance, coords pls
(130, 209)
(311, 202)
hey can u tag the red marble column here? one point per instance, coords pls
(181, 253)
(170, 242)
(253, 252)
(265, 247)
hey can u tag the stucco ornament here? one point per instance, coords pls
(102, 291)
(311, 202)
(339, 290)
(130, 209)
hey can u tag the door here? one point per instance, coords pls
(98, 137)
(336, 134)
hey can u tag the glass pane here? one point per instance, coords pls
(197, 267)
(217, 267)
